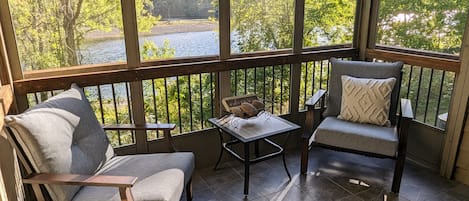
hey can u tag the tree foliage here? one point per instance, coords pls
(328, 22)
(263, 24)
(428, 25)
(268, 24)
(50, 33)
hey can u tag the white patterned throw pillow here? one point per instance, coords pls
(366, 100)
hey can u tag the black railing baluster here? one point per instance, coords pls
(116, 112)
(288, 84)
(255, 80)
(410, 81)
(328, 74)
(273, 88)
(320, 76)
(428, 96)
(211, 95)
(313, 78)
(263, 89)
(306, 84)
(281, 88)
(100, 99)
(201, 102)
(190, 101)
(155, 105)
(439, 97)
(235, 82)
(418, 91)
(245, 81)
(129, 110)
(166, 99)
(179, 104)
(37, 98)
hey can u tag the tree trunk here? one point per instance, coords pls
(69, 23)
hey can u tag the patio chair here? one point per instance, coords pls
(62, 145)
(356, 119)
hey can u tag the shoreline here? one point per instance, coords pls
(162, 28)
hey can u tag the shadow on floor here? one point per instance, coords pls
(331, 176)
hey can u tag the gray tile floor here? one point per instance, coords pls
(331, 176)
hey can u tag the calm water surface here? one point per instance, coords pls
(185, 44)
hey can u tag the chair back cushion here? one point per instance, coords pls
(62, 135)
(361, 69)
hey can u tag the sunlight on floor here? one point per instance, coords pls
(282, 194)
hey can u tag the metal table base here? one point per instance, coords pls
(246, 159)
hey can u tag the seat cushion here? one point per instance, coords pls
(361, 69)
(356, 136)
(62, 135)
(160, 176)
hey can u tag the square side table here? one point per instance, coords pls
(246, 131)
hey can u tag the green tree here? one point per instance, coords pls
(50, 33)
(428, 25)
(262, 25)
(328, 22)
(151, 51)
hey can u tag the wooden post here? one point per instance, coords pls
(295, 75)
(223, 84)
(457, 112)
(10, 40)
(10, 178)
(356, 26)
(133, 61)
(12, 51)
(364, 26)
(373, 24)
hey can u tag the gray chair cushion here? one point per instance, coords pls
(160, 176)
(356, 136)
(62, 135)
(361, 69)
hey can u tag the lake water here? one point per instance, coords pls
(185, 44)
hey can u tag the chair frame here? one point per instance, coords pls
(124, 183)
(404, 119)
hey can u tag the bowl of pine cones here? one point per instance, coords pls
(245, 107)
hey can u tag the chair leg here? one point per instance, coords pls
(304, 156)
(398, 170)
(189, 190)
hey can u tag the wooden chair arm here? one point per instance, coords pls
(310, 113)
(124, 183)
(316, 97)
(81, 180)
(406, 109)
(166, 128)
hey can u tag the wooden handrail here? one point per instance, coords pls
(417, 52)
(186, 66)
(84, 79)
(415, 59)
(140, 127)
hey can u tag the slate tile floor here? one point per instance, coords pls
(331, 176)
